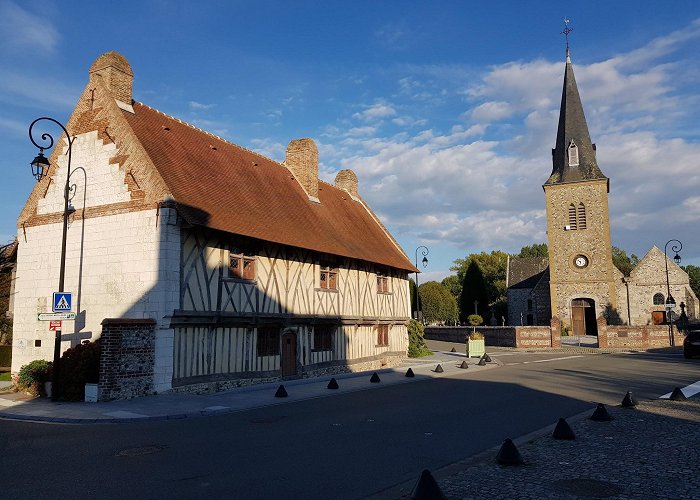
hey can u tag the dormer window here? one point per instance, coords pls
(573, 154)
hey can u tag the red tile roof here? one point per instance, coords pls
(226, 187)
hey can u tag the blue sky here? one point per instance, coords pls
(447, 111)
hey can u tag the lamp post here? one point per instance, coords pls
(670, 302)
(424, 260)
(40, 166)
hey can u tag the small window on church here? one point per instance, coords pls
(658, 299)
(581, 216)
(572, 217)
(573, 154)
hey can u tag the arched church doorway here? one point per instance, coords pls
(583, 320)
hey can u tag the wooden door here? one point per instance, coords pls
(578, 320)
(289, 354)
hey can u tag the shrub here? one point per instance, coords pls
(475, 320)
(565, 330)
(416, 341)
(79, 365)
(476, 336)
(32, 376)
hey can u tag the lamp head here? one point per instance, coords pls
(425, 261)
(40, 165)
(677, 259)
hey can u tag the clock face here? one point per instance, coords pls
(581, 261)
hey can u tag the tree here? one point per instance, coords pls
(412, 294)
(454, 285)
(437, 303)
(624, 262)
(473, 289)
(493, 267)
(694, 276)
(534, 250)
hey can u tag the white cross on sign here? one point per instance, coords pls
(62, 301)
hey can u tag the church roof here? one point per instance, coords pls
(526, 272)
(573, 130)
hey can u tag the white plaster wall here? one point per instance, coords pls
(129, 268)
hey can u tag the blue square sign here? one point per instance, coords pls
(62, 301)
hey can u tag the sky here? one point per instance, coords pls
(446, 110)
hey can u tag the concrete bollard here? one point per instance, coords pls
(438, 369)
(409, 373)
(563, 430)
(375, 378)
(281, 392)
(509, 454)
(628, 401)
(601, 414)
(333, 384)
(427, 488)
(464, 365)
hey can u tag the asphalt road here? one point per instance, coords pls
(346, 446)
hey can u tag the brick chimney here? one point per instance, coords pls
(347, 180)
(302, 160)
(116, 73)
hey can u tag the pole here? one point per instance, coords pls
(669, 298)
(56, 379)
(424, 252)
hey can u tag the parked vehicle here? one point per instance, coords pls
(691, 344)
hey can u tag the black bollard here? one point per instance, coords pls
(601, 414)
(438, 369)
(486, 358)
(453, 350)
(464, 365)
(409, 373)
(333, 384)
(509, 454)
(563, 430)
(281, 392)
(375, 378)
(427, 488)
(628, 401)
(677, 395)
(482, 362)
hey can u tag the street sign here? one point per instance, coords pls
(55, 316)
(62, 301)
(55, 325)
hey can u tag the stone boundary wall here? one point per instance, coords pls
(127, 358)
(640, 337)
(500, 336)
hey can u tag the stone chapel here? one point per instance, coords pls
(578, 281)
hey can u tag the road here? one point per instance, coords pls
(346, 446)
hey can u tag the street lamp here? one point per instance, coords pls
(670, 301)
(40, 167)
(424, 260)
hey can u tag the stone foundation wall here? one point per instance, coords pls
(127, 358)
(638, 337)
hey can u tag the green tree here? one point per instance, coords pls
(416, 341)
(454, 284)
(473, 289)
(412, 294)
(694, 275)
(493, 267)
(534, 250)
(437, 303)
(624, 262)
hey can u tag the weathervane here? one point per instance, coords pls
(566, 31)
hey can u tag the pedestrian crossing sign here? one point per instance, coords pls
(62, 301)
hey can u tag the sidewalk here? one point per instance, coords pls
(17, 406)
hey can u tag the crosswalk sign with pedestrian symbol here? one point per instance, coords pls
(62, 301)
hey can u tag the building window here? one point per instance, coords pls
(268, 341)
(382, 335)
(241, 266)
(573, 154)
(382, 283)
(581, 216)
(323, 338)
(329, 277)
(530, 320)
(572, 217)
(658, 299)
(529, 304)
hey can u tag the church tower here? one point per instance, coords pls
(582, 279)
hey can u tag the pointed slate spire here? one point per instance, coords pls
(573, 156)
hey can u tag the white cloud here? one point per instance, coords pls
(492, 111)
(20, 29)
(198, 106)
(375, 112)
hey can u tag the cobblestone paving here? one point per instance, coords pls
(651, 451)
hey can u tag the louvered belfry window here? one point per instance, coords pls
(573, 154)
(572, 217)
(581, 216)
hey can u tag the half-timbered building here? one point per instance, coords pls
(249, 269)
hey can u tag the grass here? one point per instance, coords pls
(5, 377)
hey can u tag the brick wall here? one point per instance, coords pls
(127, 358)
(302, 160)
(637, 337)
